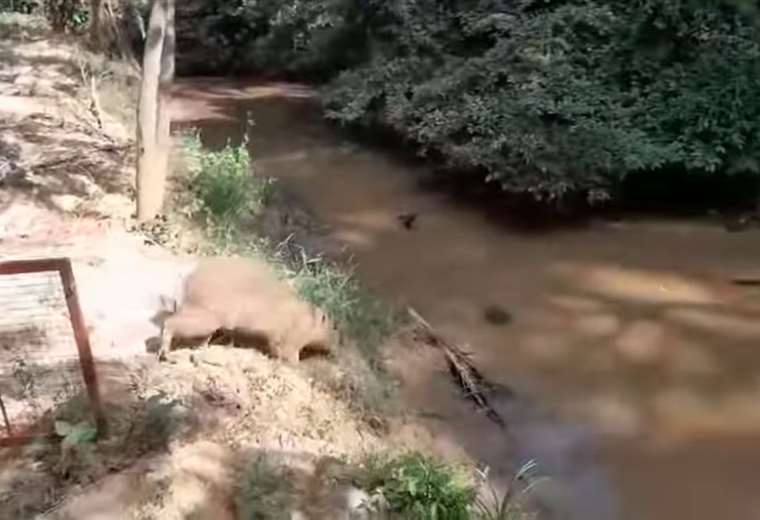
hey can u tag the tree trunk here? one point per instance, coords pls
(165, 81)
(151, 167)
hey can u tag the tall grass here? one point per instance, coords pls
(508, 505)
(337, 291)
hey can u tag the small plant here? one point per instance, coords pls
(507, 506)
(417, 487)
(265, 493)
(76, 434)
(225, 189)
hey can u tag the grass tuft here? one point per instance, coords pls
(335, 289)
(491, 505)
(265, 493)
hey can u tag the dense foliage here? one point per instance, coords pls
(310, 39)
(542, 96)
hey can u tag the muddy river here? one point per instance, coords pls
(628, 334)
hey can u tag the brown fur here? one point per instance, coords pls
(244, 299)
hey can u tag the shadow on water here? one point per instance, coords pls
(629, 331)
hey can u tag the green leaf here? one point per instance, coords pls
(62, 428)
(81, 433)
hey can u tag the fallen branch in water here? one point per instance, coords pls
(468, 378)
(746, 281)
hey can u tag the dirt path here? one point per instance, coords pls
(632, 331)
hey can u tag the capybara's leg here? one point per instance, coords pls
(166, 339)
(188, 323)
(281, 349)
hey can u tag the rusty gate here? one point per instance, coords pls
(47, 370)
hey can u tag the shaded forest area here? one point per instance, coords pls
(645, 101)
(648, 103)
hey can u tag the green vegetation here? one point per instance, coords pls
(225, 190)
(507, 506)
(19, 6)
(265, 493)
(73, 434)
(337, 291)
(418, 487)
(411, 486)
(225, 194)
(546, 97)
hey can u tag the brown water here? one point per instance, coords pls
(631, 332)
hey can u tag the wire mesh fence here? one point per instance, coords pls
(46, 366)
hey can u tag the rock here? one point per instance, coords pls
(496, 315)
(85, 184)
(356, 503)
(66, 203)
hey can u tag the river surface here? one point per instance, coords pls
(631, 332)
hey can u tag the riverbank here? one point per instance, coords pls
(217, 432)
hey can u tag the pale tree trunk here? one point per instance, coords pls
(165, 81)
(152, 117)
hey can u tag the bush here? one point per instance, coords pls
(564, 96)
(313, 39)
(225, 189)
(417, 487)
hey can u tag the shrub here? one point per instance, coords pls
(417, 487)
(564, 96)
(265, 493)
(225, 189)
(312, 39)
